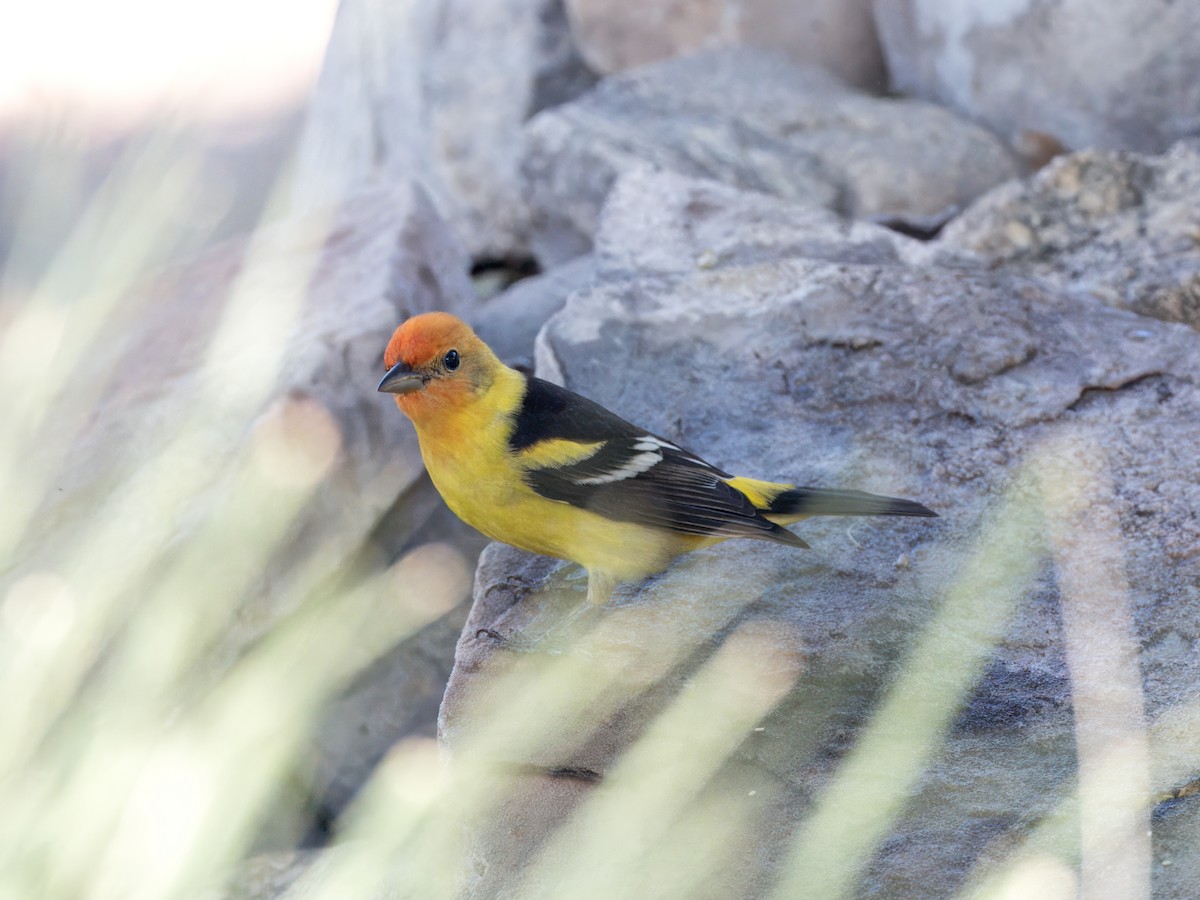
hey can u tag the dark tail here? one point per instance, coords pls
(807, 501)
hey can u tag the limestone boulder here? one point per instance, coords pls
(509, 322)
(1117, 77)
(755, 121)
(662, 225)
(437, 91)
(1119, 226)
(619, 34)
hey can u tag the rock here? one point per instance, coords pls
(619, 34)
(437, 91)
(888, 713)
(392, 699)
(1121, 227)
(263, 352)
(755, 121)
(510, 322)
(661, 224)
(1119, 80)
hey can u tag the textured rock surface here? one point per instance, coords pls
(939, 384)
(1121, 227)
(839, 36)
(437, 91)
(1119, 76)
(752, 120)
(510, 322)
(660, 224)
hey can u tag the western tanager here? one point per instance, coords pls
(537, 466)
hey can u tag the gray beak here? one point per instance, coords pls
(400, 379)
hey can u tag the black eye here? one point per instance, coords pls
(451, 359)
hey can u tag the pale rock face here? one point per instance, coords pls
(1115, 75)
(437, 91)
(509, 323)
(1121, 227)
(755, 121)
(696, 225)
(614, 35)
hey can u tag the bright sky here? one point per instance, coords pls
(118, 60)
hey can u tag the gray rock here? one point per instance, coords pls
(948, 386)
(394, 698)
(1121, 227)
(664, 224)
(1119, 78)
(839, 36)
(437, 91)
(755, 121)
(510, 322)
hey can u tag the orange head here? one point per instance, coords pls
(436, 363)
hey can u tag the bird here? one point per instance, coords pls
(537, 466)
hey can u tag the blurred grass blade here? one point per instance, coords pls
(868, 793)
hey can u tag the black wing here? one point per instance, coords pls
(625, 473)
(549, 412)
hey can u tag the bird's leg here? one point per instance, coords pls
(600, 588)
(560, 632)
(599, 592)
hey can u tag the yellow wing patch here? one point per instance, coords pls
(557, 452)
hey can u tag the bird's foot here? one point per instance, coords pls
(564, 633)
